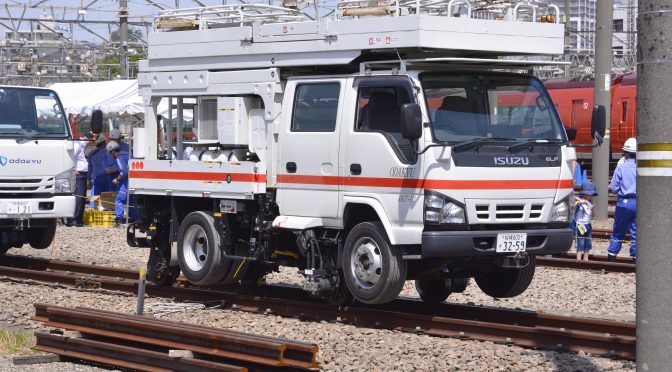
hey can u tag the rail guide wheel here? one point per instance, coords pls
(437, 290)
(373, 269)
(506, 282)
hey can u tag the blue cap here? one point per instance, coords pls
(588, 188)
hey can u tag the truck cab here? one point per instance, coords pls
(488, 181)
(36, 167)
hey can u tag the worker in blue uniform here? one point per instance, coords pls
(624, 185)
(100, 163)
(121, 179)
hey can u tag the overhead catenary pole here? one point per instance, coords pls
(654, 186)
(603, 62)
(123, 37)
(568, 38)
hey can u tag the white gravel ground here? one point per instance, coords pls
(344, 347)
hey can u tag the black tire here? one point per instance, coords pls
(41, 237)
(433, 291)
(199, 251)
(504, 283)
(459, 285)
(385, 275)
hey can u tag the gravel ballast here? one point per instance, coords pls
(343, 347)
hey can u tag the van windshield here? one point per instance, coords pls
(468, 106)
(31, 113)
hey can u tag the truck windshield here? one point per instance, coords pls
(31, 113)
(468, 106)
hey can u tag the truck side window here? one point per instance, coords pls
(315, 107)
(379, 110)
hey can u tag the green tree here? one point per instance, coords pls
(134, 35)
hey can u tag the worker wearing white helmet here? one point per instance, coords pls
(121, 157)
(624, 185)
(117, 136)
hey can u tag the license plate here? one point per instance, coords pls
(19, 208)
(511, 242)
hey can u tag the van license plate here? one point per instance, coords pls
(19, 208)
(511, 242)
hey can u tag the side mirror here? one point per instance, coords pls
(411, 121)
(571, 133)
(598, 123)
(97, 121)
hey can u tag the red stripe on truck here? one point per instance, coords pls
(197, 176)
(416, 183)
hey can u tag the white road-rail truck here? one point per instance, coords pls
(37, 167)
(380, 144)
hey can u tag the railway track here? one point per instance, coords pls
(596, 263)
(518, 327)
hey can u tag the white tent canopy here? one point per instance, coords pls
(114, 97)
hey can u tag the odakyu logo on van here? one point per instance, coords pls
(4, 161)
(512, 160)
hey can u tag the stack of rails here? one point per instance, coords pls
(143, 343)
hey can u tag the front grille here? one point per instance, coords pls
(506, 211)
(19, 189)
(535, 210)
(18, 186)
(20, 180)
(510, 211)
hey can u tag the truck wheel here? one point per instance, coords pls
(40, 237)
(504, 283)
(198, 250)
(433, 291)
(373, 270)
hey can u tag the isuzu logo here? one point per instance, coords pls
(511, 160)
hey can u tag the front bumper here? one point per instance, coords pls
(449, 244)
(58, 206)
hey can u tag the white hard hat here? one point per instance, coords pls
(115, 134)
(112, 146)
(630, 145)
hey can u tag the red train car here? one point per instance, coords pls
(574, 101)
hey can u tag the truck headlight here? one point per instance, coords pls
(560, 212)
(64, 183)
(440, 209)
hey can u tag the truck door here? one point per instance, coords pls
(308, 149)
(377, 162)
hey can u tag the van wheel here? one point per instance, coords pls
(373, 270)
(433, 291)
(40, 237)
(504, 283)
(198, 250)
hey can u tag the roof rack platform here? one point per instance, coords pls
(249, 36)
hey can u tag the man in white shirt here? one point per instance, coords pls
(81, 168)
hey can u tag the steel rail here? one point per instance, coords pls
(594, 264)
(527, 329)
(225, 346)
(123, 356)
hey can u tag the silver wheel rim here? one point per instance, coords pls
(195, 248)
(366, 263)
